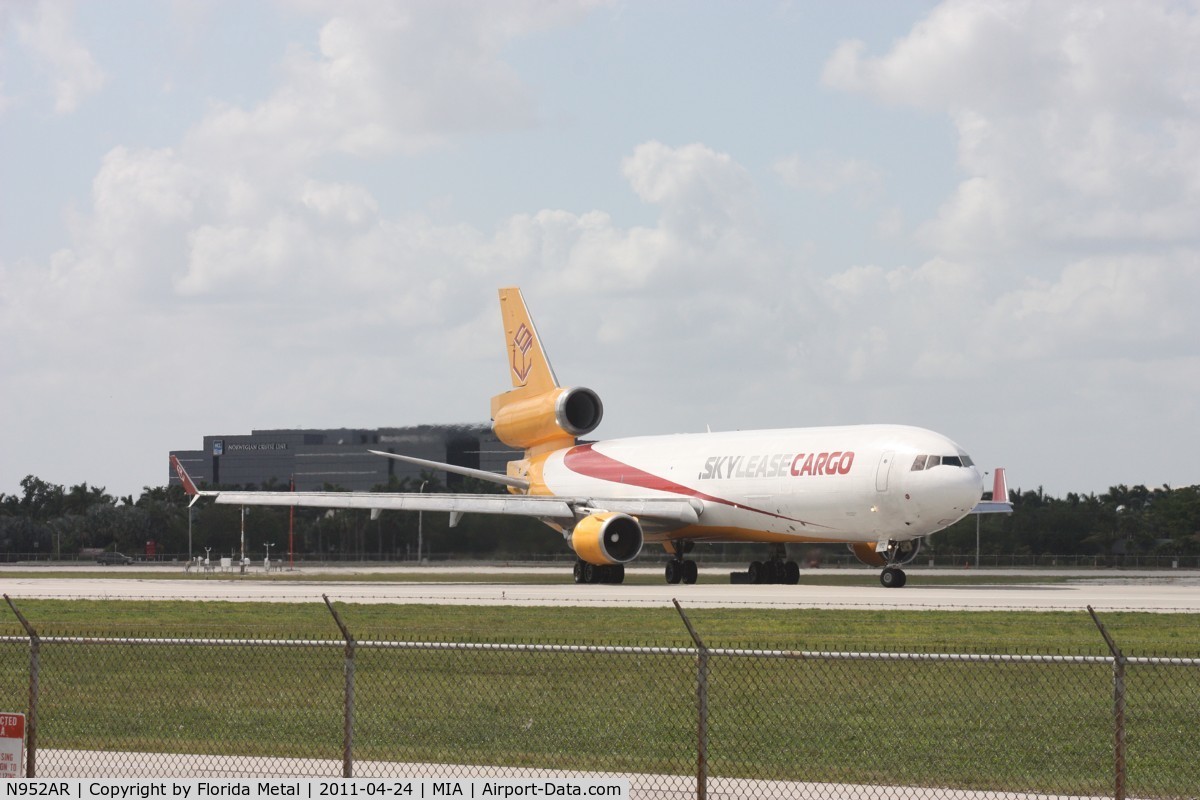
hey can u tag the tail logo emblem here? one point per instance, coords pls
(522, 344)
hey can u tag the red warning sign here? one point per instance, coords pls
(12, 745)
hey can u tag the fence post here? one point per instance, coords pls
(348, 722)
(1118, 708)
(35, 669)
(701, 707)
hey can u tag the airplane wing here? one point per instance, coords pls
(664, 511)
(995, 505)
(548, 507)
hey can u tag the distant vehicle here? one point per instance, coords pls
(108, 557)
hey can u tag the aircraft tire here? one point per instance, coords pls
(758, 572)
(892, 578)
(616, 574)
(578, 571)
(791, 573)
(690, 572)
(674, 571)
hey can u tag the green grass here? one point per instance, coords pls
(1017, 727)
(796, 629)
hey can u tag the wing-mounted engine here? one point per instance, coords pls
(607, 538)
(898, 554)
(555, 418)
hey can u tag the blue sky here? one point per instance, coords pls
(976, 217)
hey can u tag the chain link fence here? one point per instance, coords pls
(695, 721)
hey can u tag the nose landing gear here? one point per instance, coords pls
(892, 578)
(897, 553)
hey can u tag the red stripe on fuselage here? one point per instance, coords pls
(584, 460)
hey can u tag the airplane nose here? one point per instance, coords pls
(972, 487)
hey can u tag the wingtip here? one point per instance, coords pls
(189, 486)
(1000, 486)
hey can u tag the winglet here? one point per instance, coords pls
(189, 486)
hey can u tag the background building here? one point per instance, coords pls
(339, 457)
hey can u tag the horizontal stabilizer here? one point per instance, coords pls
(480, 474)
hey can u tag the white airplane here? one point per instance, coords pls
(878, 488)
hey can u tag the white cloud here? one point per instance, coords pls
(47, 32)
(250, 269)
(391, 77)
(1105, 308)
(1078, 124)
(697, 187)
(826, 174)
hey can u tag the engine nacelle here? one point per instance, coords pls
(607, 538)
(906, 551)
(563, 413)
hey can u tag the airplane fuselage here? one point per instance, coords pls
(845, 484)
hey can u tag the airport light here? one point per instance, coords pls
(420, 524)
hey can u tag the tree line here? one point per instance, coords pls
(46, 521)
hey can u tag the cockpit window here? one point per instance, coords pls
(923, 462)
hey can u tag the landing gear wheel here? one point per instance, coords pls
(758, 572)
(892, 578)
(578, 571)
(616, 574)
(690, 572)
(791, 573)
(589, 572)
(674, 571)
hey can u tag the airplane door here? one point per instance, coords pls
(884, 470)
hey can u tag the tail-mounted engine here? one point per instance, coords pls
(560, 414)
(897, 554)
(607, 538)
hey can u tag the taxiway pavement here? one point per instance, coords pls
(1160, 591)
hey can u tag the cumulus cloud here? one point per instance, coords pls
(697, 187)
(47, 32)
(391, 77)
(826, 174)
(1067, 244)
(1078, 123)
(1078, 130)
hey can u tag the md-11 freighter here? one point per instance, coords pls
(877, 488)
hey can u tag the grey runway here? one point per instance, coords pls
(1110, 591)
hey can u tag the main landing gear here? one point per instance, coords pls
(777, 569)
(598, 573)
(680, 569)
